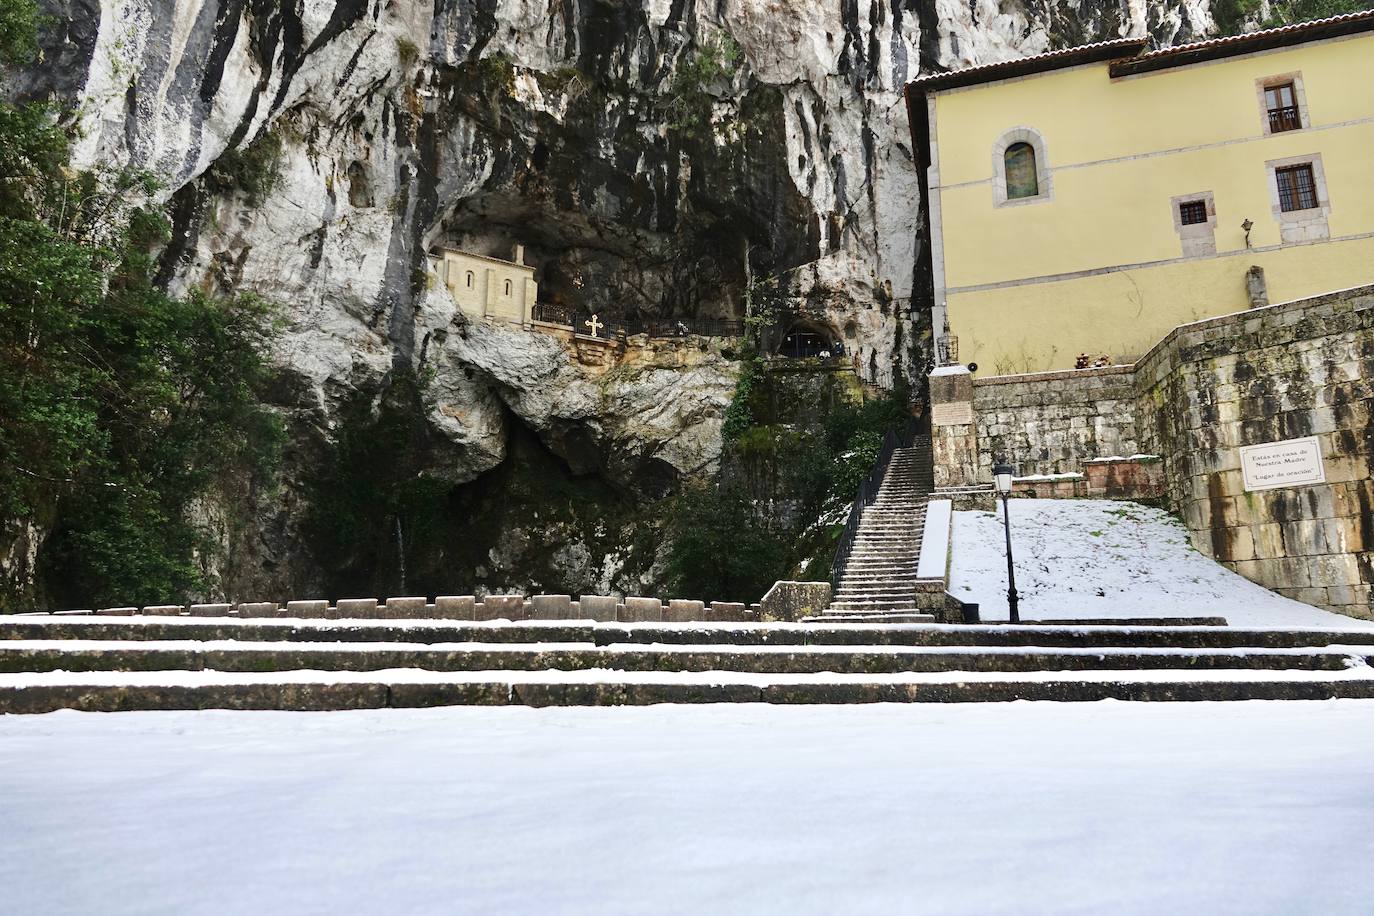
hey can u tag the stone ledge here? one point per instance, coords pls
(1055, 375)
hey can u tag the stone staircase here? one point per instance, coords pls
(135, 663)
(879, 580)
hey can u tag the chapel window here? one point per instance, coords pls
(469, 279)
(1282, 104)
(507, 287)
(1019, 164)
(1297, 187)
(1192, 212)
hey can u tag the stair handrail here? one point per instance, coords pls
(894, 438)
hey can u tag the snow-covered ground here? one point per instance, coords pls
(1259, 807)
(1087, 558)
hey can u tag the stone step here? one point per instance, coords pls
(866, 605)
(915, 616)
(880, 534)
(905, 603)
(309, 632)
(81, 657)
(300, 691)
(888, 553)
(884, 587)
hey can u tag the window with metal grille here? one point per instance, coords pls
(1192, 212)
(1282, 104)
(1297, 188)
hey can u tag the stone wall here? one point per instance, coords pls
(1050, 421)
(1283, 372)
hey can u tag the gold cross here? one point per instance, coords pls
(595, 324)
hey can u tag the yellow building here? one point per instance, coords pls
(1087, 201)
(488, 287)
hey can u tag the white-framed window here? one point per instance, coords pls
(1298, 198)
(470, 279)
(1195, 221)
(1020, 168)
(508, 287)
(1283, 103)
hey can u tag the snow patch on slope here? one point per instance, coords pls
(1106, 558)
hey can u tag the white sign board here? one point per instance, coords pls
(955, 413)
(1291, 463)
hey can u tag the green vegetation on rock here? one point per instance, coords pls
(796, 447)
(121, 407)
(255, 170)
(1234, 16)
(690, 95)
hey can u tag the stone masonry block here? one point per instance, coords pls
(163, 610)
(258, 609)
(1238, 544)
(641, 610)
(313, 608)
(116, 611)
(410, 608)
(791, 601)
(503, 607)
(1335, 569)
(209, 610)
(683, 610)
(600, 608)
(1343, 595)
(951, 388)
(357, 607)
(455, 607)
(551, 607)
(1348, 534)
(727, 611)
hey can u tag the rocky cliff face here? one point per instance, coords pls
(656, 157)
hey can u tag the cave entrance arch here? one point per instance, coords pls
(806, 338)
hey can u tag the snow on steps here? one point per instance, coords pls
(310, 690)
(104, 665)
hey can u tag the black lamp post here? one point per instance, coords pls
(1001, 476)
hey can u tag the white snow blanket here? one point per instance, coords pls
(1091, 558)
(1014, 808)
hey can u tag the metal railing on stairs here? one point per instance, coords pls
(896, 437)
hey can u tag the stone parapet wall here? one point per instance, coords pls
(600, 608)
(1140, 478)
(1048, 422)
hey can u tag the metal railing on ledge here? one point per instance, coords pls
(610, 329)
(896, 437)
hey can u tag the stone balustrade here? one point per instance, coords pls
(601, 608)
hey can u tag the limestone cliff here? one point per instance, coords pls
(656, 157)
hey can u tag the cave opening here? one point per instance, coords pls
(539, 521)
(806, 339)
